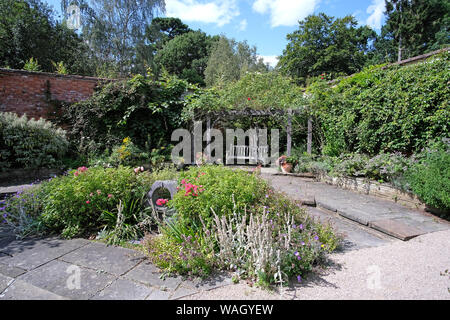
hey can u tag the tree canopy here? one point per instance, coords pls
(28, 30)
(229, 60)
(187, 56)
(323, 44)
(414, 27)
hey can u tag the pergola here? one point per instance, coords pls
(254, 95)
(213, 117)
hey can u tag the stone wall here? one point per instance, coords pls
(38, 93)
(381, 190)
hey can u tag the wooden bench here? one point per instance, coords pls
(256, 154)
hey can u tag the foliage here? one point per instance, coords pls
(394, 109)
(259, 91)
(28, 30)
(88, 200)
(229, 60)
(429, 178)
(189, 257)
(248, 228)
(269, 250)
(143, 109)
(22, 210)
(325, 44)
(215, 184)
(162, 30)
(186, 56)
(115, 29)
(32, 65)
(60, 67)
(414, 27)
(29, 143)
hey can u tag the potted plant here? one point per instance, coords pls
(286, 163)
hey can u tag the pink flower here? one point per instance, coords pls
(110, 195)
(88, 202)
(161, 202)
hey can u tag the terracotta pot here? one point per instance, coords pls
(286, 167)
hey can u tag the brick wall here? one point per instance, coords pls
(35, 93)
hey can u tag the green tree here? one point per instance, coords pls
(414, 27)
(157, 34)
(187, 56)
(115, 29)
(230, 60)
(162, 30)
(325, 44)
(28, 30)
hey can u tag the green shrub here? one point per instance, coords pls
(429, 178)
(29, 143)
(21, 211)
(206, 187)
(87, 200)
(394, 109)
(143, 109)
(229, 218)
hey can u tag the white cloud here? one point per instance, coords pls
(376, 11)
(243, 25)
(271, 60)
(285, 12)
(212, 11)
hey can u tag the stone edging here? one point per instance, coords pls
(370, 187)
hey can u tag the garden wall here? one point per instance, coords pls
(37, 93)
(381, 190)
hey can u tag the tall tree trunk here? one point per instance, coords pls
(399, 49)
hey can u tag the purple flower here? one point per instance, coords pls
(300, 227)
(299, 278)
(267, 195)
(2, 208)
(294, 226)
(296, 253)
(316, 238)
(303, 243)
(299, 258)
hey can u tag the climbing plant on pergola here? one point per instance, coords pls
(254, 95)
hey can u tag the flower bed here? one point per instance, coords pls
(233, 220)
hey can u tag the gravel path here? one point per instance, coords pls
(397, 270)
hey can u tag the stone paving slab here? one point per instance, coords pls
(99, 256)
(5, 282)
(20, 290)
(396, 229)
(182, 292)
(157, 294)
(354, 236)
(148, 274)
(11, 271)
(123, 289)
(360, 208)
(30, 254)
(59, 278)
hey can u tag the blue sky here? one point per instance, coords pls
(264, 23)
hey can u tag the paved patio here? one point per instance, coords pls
(52, 268)
(48, 269)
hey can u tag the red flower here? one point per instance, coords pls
(88, 202)
(249, 99)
